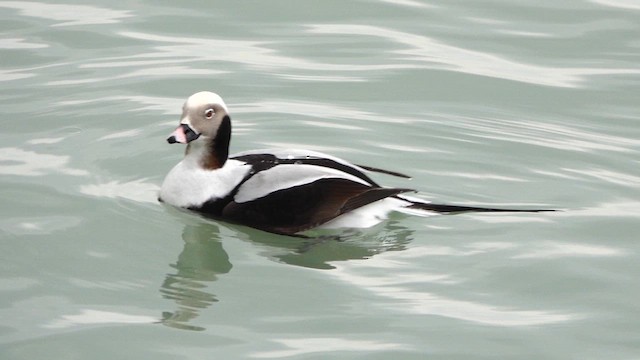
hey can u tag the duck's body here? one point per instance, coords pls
(280, 191)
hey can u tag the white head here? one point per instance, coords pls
(202, 115)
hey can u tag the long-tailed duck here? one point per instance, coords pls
(279, 191)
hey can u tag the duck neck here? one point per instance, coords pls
(212, 153)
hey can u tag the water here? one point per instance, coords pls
(502, 103)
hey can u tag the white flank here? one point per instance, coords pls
(366, 216)
(376, 212)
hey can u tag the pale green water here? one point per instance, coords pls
(497, 103)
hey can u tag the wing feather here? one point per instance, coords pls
(285, 176)
(302, 207)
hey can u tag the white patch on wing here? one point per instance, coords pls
(286, 176)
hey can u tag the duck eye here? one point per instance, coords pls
(209, 113)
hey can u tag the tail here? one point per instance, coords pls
(448, 209)
(418, 204)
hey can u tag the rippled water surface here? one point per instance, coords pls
(502, 103)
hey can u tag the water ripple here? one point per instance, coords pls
(15, 161)
(10, 75)
(19, 43)
(160, 71)
(433, 54)
(324, 78)
(407, 3)
(318, 110)
(609, 176)
(68, 14)
(28, 72)
(614, 209)
(136, 190)
(98, 317)
(306, 346)
(406, 299)
(17, 283)
(622, 4)
(545, 134)
(162, 105)
(256, 54)
(38, 225)
(553, 250)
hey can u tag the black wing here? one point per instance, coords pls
(299, 208)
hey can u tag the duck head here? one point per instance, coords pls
(202, 116)
(205, 123)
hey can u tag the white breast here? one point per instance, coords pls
(188, 184)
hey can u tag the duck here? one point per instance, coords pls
(281, 191)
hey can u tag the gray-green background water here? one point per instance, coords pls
(502, 103)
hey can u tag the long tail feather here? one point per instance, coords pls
(443, 208)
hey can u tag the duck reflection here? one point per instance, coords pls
(321, 250)
(203, 259)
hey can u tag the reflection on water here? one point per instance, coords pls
(203, 259)
(319, 252)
